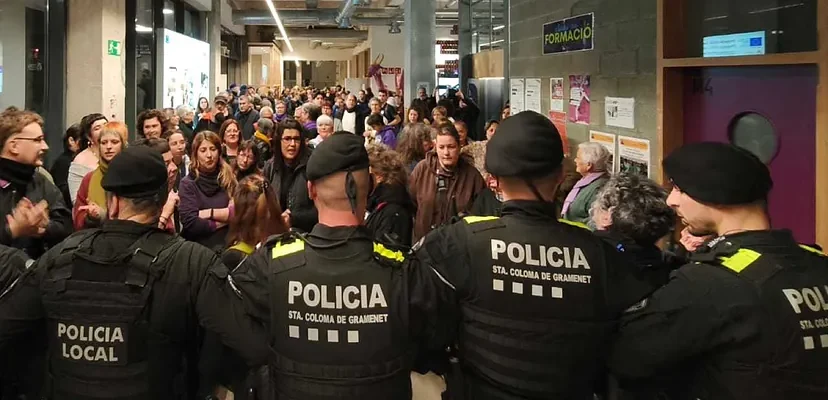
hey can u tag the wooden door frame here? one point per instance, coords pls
(670, 54)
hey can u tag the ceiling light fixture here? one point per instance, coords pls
(498, 27)
(279, 24)
(142, 28)
(167, 11)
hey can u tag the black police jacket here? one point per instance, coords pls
(345, 313)
(122, 330)
(539, 299)
(13, 263)
(746, 319)
(391, 213)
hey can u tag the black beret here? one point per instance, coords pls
(138, 171)
(220, 99)
(526, 144)
(342, 151)
(718, 173)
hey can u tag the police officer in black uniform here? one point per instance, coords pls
(539, 297)
(121, 305)
(13, 263)
(345, 312)
(747, 318)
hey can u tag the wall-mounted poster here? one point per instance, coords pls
(559, 120)
(516, 93)
(186, 70)
(579, 99)
(532, 98)
(556, 90)
(571, 34)
(608, 140)
(620, 112)
(634, 156)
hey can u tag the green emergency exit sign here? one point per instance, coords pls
(113, 48)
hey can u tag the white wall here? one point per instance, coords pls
(392, 47)
(13, 54)
(303, 52)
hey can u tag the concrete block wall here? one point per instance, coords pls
(622, 63)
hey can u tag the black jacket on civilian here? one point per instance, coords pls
(468, 114)
(18, 181)
(291, 183)
(391, 214)
(189, 132)
(212, 124)
(60, 173)
(246, 123)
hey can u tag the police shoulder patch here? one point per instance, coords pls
(473, 219)
(388, 253)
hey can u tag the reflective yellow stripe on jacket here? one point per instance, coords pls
(281, 250)
(740, 260)
(384, 252)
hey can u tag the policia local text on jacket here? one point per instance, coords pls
(345, 313)
(120, 306)
(747, 319)
(539, 298)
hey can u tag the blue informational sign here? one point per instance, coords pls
(737, 44)
(571, 34)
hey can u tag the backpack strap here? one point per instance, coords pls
(144, 253)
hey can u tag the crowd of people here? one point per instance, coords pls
(315, 178)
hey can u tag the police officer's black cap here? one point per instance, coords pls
(340, 152)
(526, 145)
(138, 171)
(718, 173)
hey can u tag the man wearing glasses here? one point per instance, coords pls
(34, 219)
(35, 216)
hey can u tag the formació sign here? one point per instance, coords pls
(571, 34)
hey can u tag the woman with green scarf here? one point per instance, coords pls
(90, 203)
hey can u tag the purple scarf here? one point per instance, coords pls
(279, 118)
(310, 125)
(582, 183)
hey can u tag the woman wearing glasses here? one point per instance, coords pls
(286, 174)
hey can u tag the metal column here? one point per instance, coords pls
(214, 38)
(464, 43)
(420, 38)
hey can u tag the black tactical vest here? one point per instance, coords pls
(100, 341)
(792, 289)
(339, 327)
(535, 323)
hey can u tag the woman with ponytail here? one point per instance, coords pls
(256, 216)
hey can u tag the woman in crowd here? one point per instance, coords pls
(376, 109)
(266, 112)
(172, 117)
(247, 163)
(352, 117)
(87, 159)
(477, 150)
(90, 205)
(592, 162)
(60, 168)
(263, 139)
(631, 213)
(256, 216)
(416, 115)
(186, 122)
(203, 107)
(384, 134)
(281, 111)
(327, 109)
(205, 193)
(439, 115)
(415, 142)
(325, 128)
(178, 147)
(390, 209)
(230, 137)
(286, 174)
(444, 184)
(506, 112)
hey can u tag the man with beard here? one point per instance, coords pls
(747, 318)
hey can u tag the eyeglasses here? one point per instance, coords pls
(288, 139)
(36, 139)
